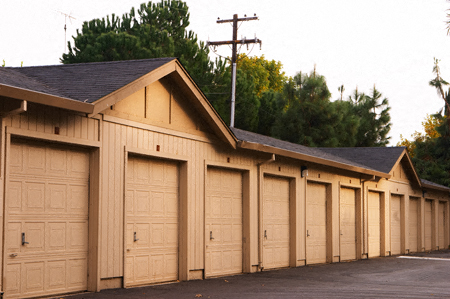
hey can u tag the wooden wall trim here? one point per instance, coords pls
(349, 186)
(52, 137)
(156, 129)
(156, 154)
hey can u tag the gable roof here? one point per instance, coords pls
(383, 159)
(249, 140)
(380, 158)
(84, 82)
(93, 87)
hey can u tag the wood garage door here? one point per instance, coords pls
(316, 224)
(441, 224)
(223, 220)
(374, 207)
(47, 220)
(276, 245)
(348, 224)
(396, 217)
(152, 221)
(428, 224)
(413, 225)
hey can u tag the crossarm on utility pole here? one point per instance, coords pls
(231, 42)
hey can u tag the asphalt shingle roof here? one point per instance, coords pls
(293, 147)
(382, 159)
(84, 82)
(426, 182)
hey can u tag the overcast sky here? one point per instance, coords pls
(353, 42)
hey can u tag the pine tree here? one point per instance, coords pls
(156, 30)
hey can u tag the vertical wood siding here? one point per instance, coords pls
(114, 137)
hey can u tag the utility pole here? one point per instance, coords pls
(234, 42)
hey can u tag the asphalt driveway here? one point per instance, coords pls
(424, 275)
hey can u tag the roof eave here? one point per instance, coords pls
(45, 99)
(434, 187)
(298, 156)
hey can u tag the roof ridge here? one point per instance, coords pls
(90, 63)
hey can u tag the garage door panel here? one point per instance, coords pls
(223, 220)
(276, 222)
(78, 239)
(152, 221)
(395, 224)
(34, 197)
(347, 224)
(77, 269)
(428, 224)
(33, 277)
(35, 236)
(413, 225)
(13, 237)
(76, 198)
(55, 193)
(56, 237)
(316, 240)
(441, 225)
(56, 275)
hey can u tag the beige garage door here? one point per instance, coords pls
(413, 225)
(276, 222)
(441, 224)
(395, 225)
(374, 224)
(428, 224)
(223, 220)
(316, 224)
(47, 220)
(348, 224)
(152, 221)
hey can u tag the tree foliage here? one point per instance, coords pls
(155, 30)
(374, 119)
(429, 126)
(311, 118)
(429, 151)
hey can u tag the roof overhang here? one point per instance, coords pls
(44, 98)
(175, 71)
(434, 187)
(298, 156)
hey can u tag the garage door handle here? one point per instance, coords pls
(265, 233)
(307, 233)
(23, 239)
(210, 235)
(135, 239)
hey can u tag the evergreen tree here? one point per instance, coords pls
(156, 30)
(309, 119)
(374, 119)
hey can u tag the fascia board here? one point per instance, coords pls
(298, 156)
(132, 87)
(213, 118)
(45, 99)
